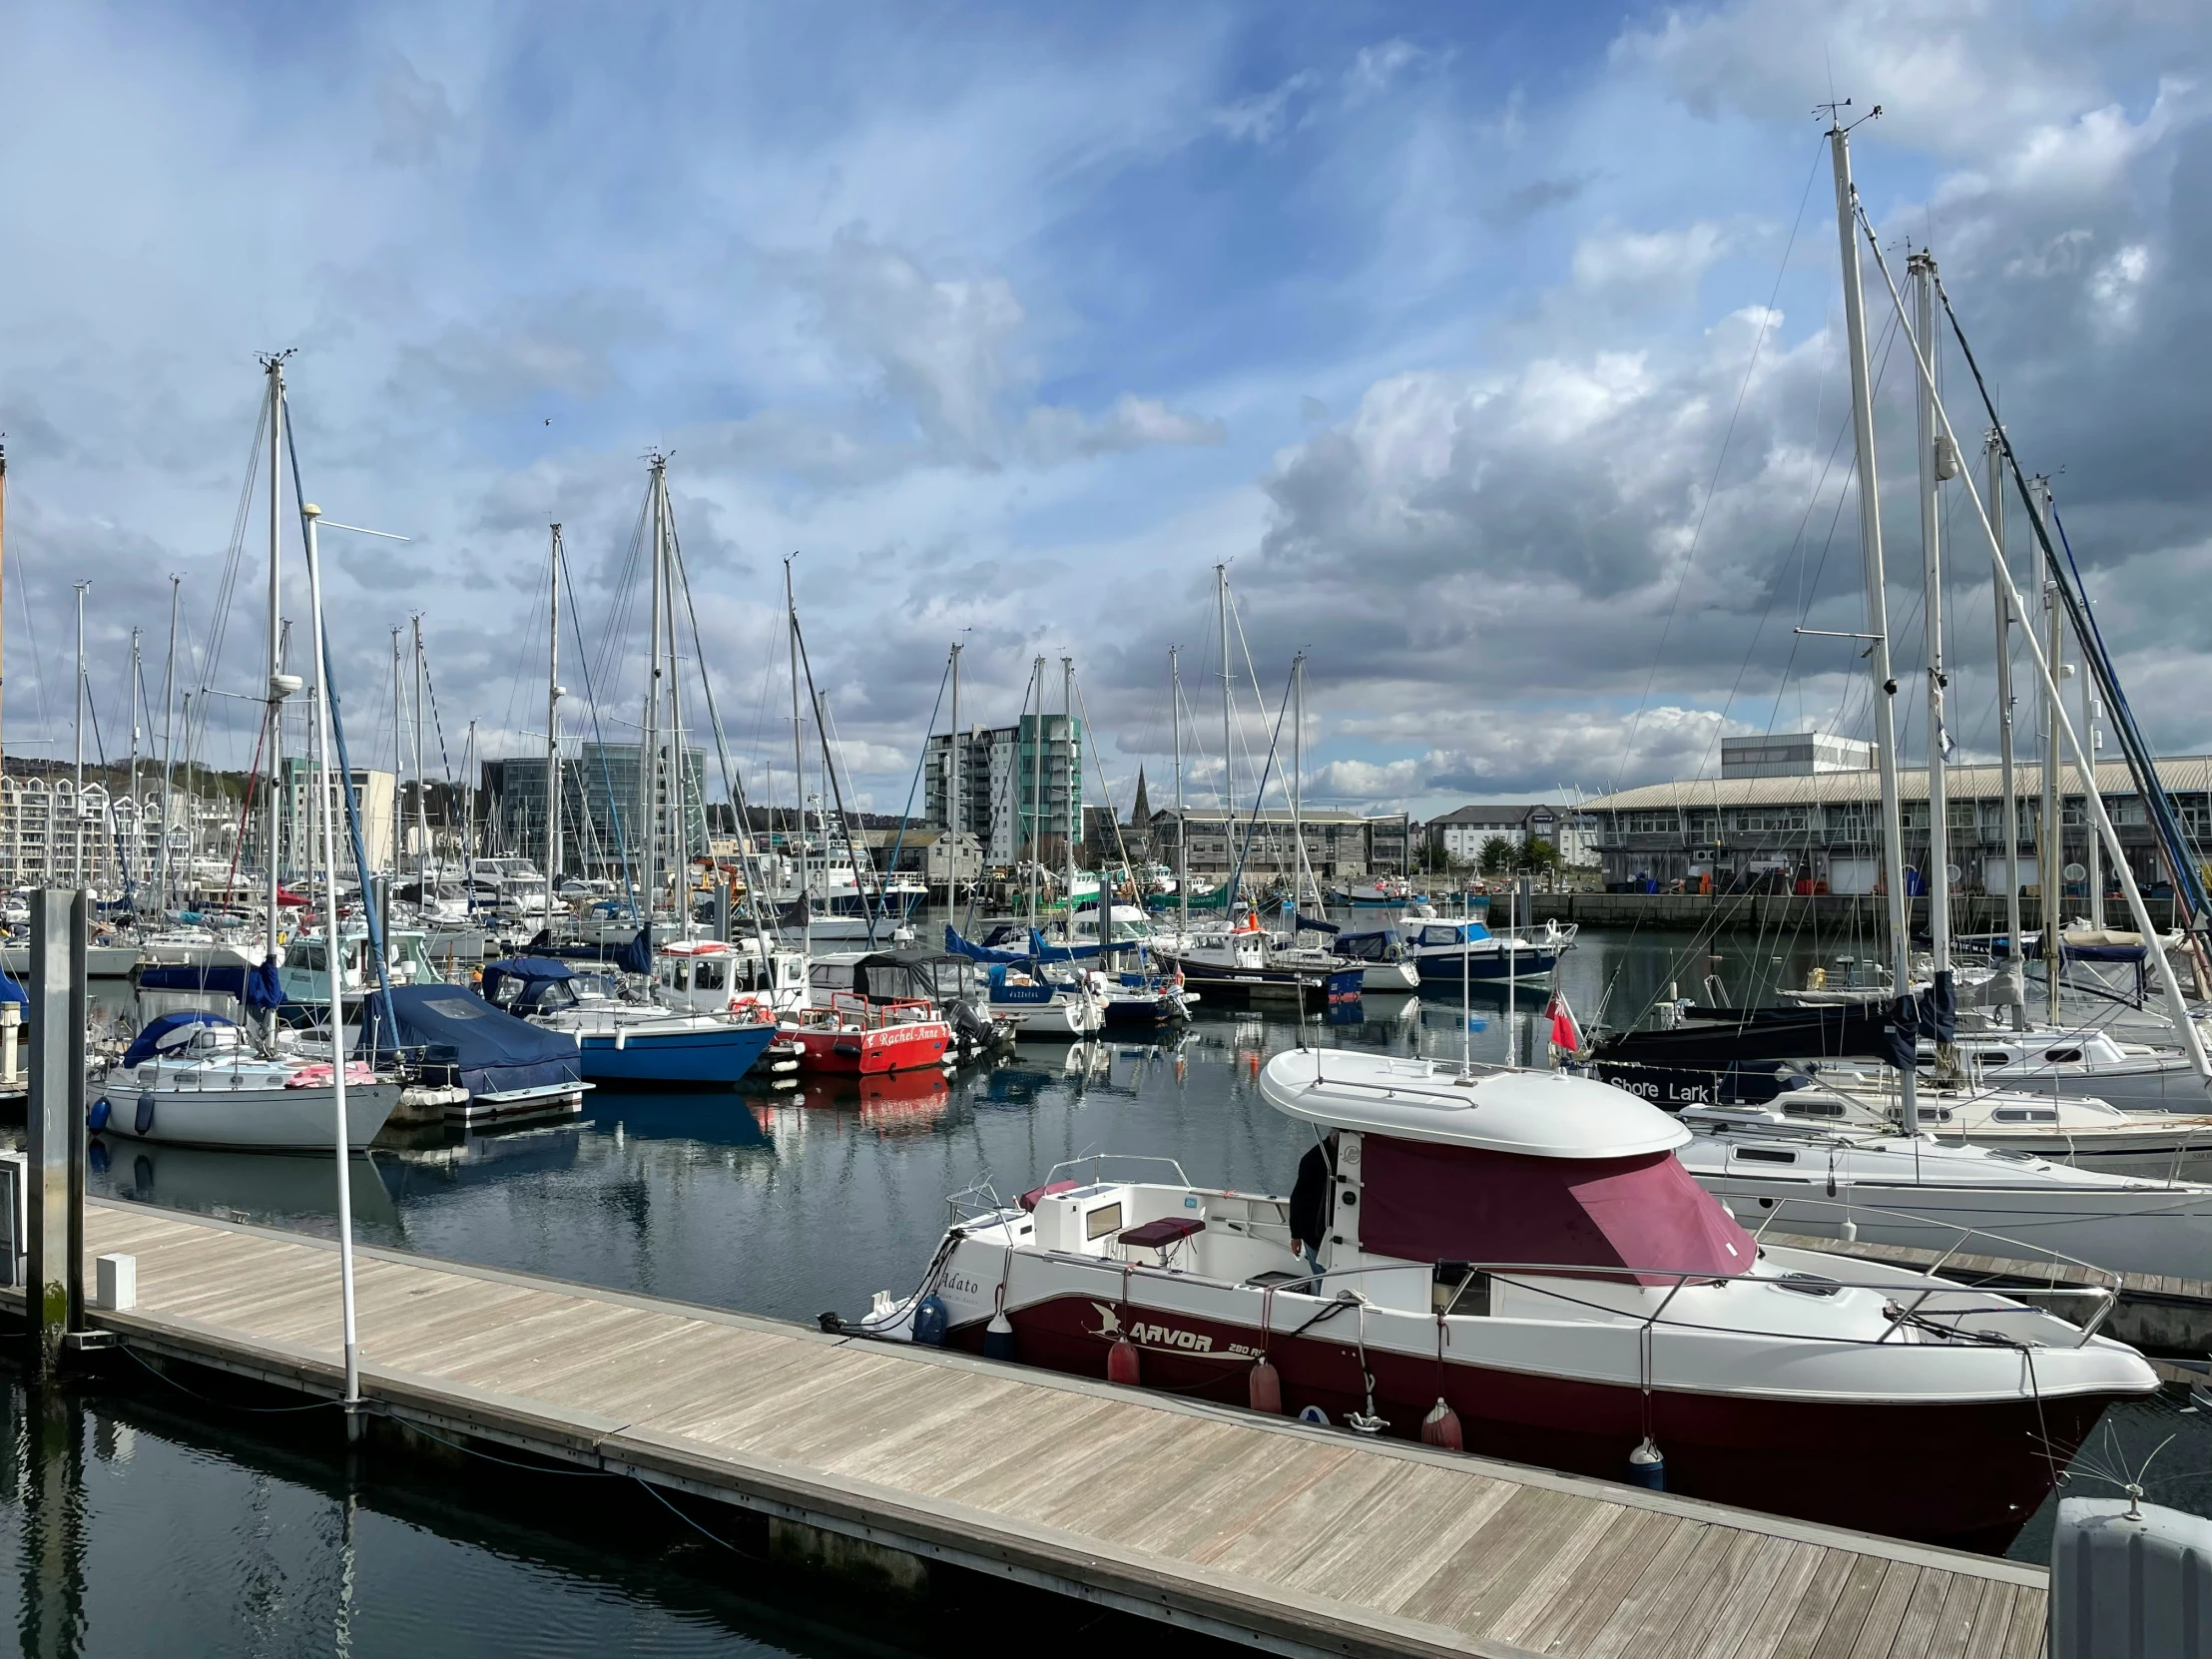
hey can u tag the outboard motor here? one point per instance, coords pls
(973, 1029)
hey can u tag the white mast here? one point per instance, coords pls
(1298, 781)
(1921, 268)
(2016, 993)
(799, 755)
(398, 769)
(2092, 740)
(135, 687)
(649, 741)
(1227, 785)
(469, 828)
(77, 804)
(1036, 786)
(1878, 616)
(955, 818)
(553, 732)
(168, 744)
(281, 684)
(331, 957)
(679, 773)
(1182, 821)
(1072, 773)
(421, 775)
(2051, 854)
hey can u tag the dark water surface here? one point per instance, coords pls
(199, 1530)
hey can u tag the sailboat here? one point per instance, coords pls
(200, 1078)
(1949, 1098)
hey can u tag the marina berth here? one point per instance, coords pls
(1518, 1263)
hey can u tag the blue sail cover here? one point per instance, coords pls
(637, 955)
(494, 1051)
(159, 1036)
(1043, 952)
(259, 988)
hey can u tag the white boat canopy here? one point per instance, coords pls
(1537, 1114)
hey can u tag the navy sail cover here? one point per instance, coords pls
(495, 1052)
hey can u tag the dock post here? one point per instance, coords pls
(55, 1119)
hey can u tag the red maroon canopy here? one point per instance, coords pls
(1426, 1201)
(286, 900)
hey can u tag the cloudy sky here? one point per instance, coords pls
(1495, 348)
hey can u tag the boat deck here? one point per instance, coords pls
(1300, 1540)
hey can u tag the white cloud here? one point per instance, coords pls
(1647, 267)
(1258, 118)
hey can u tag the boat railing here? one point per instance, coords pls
(2039, 1255)
(1897, 1313)
(1094, 1160)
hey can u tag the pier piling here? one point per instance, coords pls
(55, 1144)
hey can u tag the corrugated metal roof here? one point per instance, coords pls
(2182, 775)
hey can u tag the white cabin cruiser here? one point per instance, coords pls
(1931, 1195)
(1515, 1261)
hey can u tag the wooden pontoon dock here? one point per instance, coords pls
(1295, 1540)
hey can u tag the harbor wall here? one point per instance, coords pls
(1820, 914)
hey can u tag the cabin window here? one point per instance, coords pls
(1764, 1155)
(1102, 1221)
(706, 976)
(2026, 1114)
(1995, 1057)
(2062, 1056)
(1814, 1108)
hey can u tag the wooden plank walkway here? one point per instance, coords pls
(1300, 1540)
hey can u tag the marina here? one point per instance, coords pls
(1096, 873)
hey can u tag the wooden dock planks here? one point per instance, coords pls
(1304, 1538)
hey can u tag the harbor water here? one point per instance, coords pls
(192, 1523)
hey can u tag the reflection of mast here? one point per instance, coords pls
(553, 733)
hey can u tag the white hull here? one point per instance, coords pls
(2143, 1233)
(1388, 977)
(277, 1120)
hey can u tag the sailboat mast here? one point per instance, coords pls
(278, 686)
(553, 730)
(1920, 268)
(1182, 821)
(2051, 854)
(1297, 780)
(1878, 625)
(1072, 776)
(2092, 710)
(77, 804)
(2016, 991)
(136, 687)
(169, 746)
(954, 818)
(799, 750)
(1228, 772)
(679, 773)
(1036, 784)
(649, 741)
(398, 764)
(421, 775)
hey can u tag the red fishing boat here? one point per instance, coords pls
(854, 1037)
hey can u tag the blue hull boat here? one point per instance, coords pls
(698, 1057)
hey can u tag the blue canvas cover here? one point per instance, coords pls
(159, 1036)
(960, 945)
(495, 1052)
(637, 955)
(10, 991)
(531, 970)
(257, 988)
